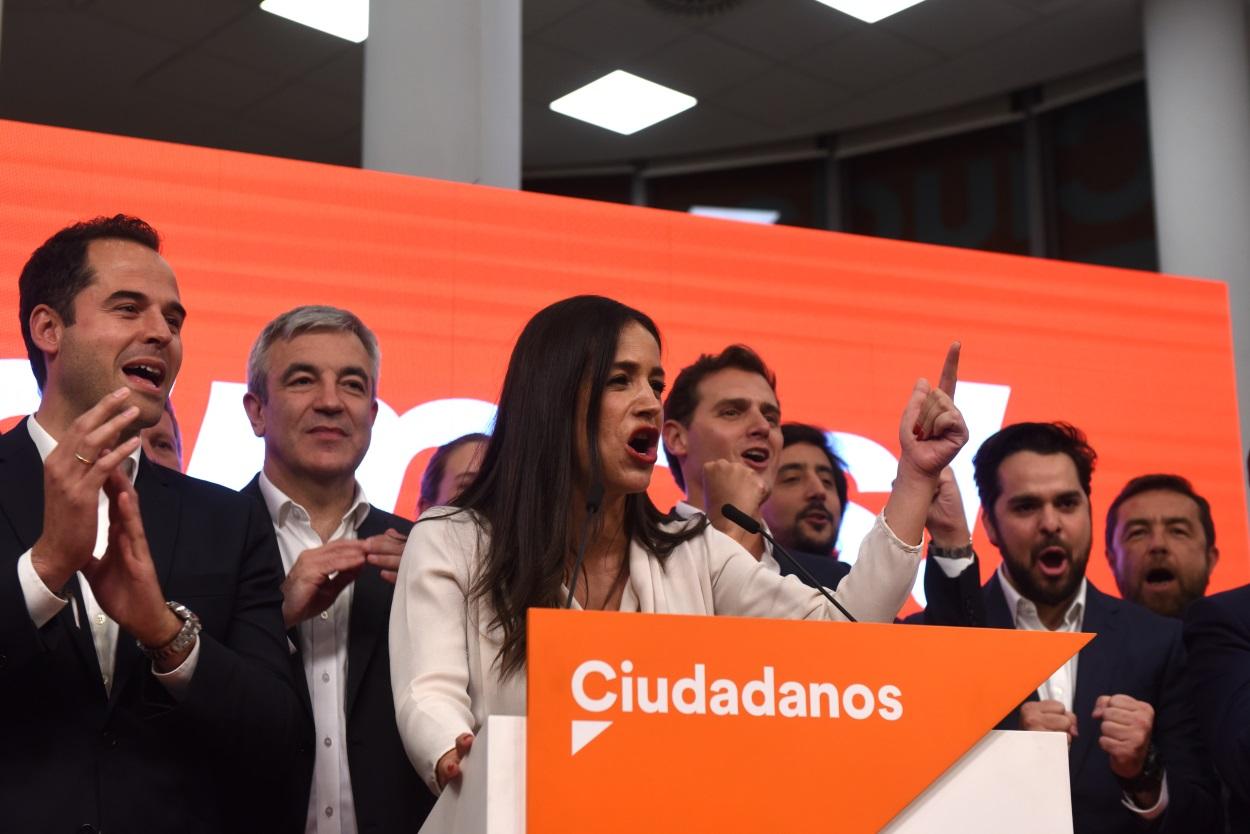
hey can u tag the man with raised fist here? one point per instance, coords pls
(1135, 759)
(722, 437)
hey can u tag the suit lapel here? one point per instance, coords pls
(21, 503)
(298, 675)
(21, 487)
(999, 615)
(1096, 669)
(159, 507)
(368, 620)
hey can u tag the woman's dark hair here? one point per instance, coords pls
(434, 470)
(528, 479)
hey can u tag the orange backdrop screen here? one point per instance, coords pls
(447, 275)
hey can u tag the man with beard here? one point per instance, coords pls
(722, 437)
(1134, 755)
(1161, 543)
(804, 509)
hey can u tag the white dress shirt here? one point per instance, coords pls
(42, 604)
(444, 674)
(685, 510)
(323, 643)
(1061, 686)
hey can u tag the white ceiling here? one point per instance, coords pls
(222, 73)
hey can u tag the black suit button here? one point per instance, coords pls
(109, 738)
(87, 828)
(3, 661)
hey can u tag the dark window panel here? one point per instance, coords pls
(610, 189)
(967, 190)
(1103, 199)
(793, 189)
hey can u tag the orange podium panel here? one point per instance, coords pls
(645, 722)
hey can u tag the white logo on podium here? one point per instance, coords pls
(584, 732)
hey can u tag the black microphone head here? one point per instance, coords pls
(594, 497)
(740, 518)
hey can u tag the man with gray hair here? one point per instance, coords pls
(312, 396)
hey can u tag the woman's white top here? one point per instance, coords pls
(444, 670)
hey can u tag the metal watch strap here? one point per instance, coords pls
(1151, 775)
(182, 640)
(964, 552)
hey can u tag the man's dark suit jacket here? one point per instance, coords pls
(827, 570)
(1217, 635)
(1140, 654)
(388, 793)
(73, 758)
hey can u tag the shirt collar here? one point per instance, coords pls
(684, 510)
(280, 505)
(1073, 618)
(45, 443)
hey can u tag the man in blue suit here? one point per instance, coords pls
(1217, 635)
(1135, 759)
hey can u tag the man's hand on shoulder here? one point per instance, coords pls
(383, 552)
(319, 576)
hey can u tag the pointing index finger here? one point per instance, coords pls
(950, 370)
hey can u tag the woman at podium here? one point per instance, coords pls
(564, 482)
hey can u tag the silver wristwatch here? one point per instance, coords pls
(183, 640)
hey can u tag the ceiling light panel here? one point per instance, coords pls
(623, 102)
(347, 19)
(870, 11)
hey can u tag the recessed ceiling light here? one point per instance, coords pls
(623, 102)
(347, 19)
(870, 11)
(744, 215)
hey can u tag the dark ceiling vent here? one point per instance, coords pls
(695, 7)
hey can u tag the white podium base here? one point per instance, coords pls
(490, 797)
(1010, 781)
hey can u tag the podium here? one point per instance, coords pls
(681, 723)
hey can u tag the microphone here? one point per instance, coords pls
(594, 500)
(749, 524)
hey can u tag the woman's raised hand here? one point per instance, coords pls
(931, 433)
(932, 430)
